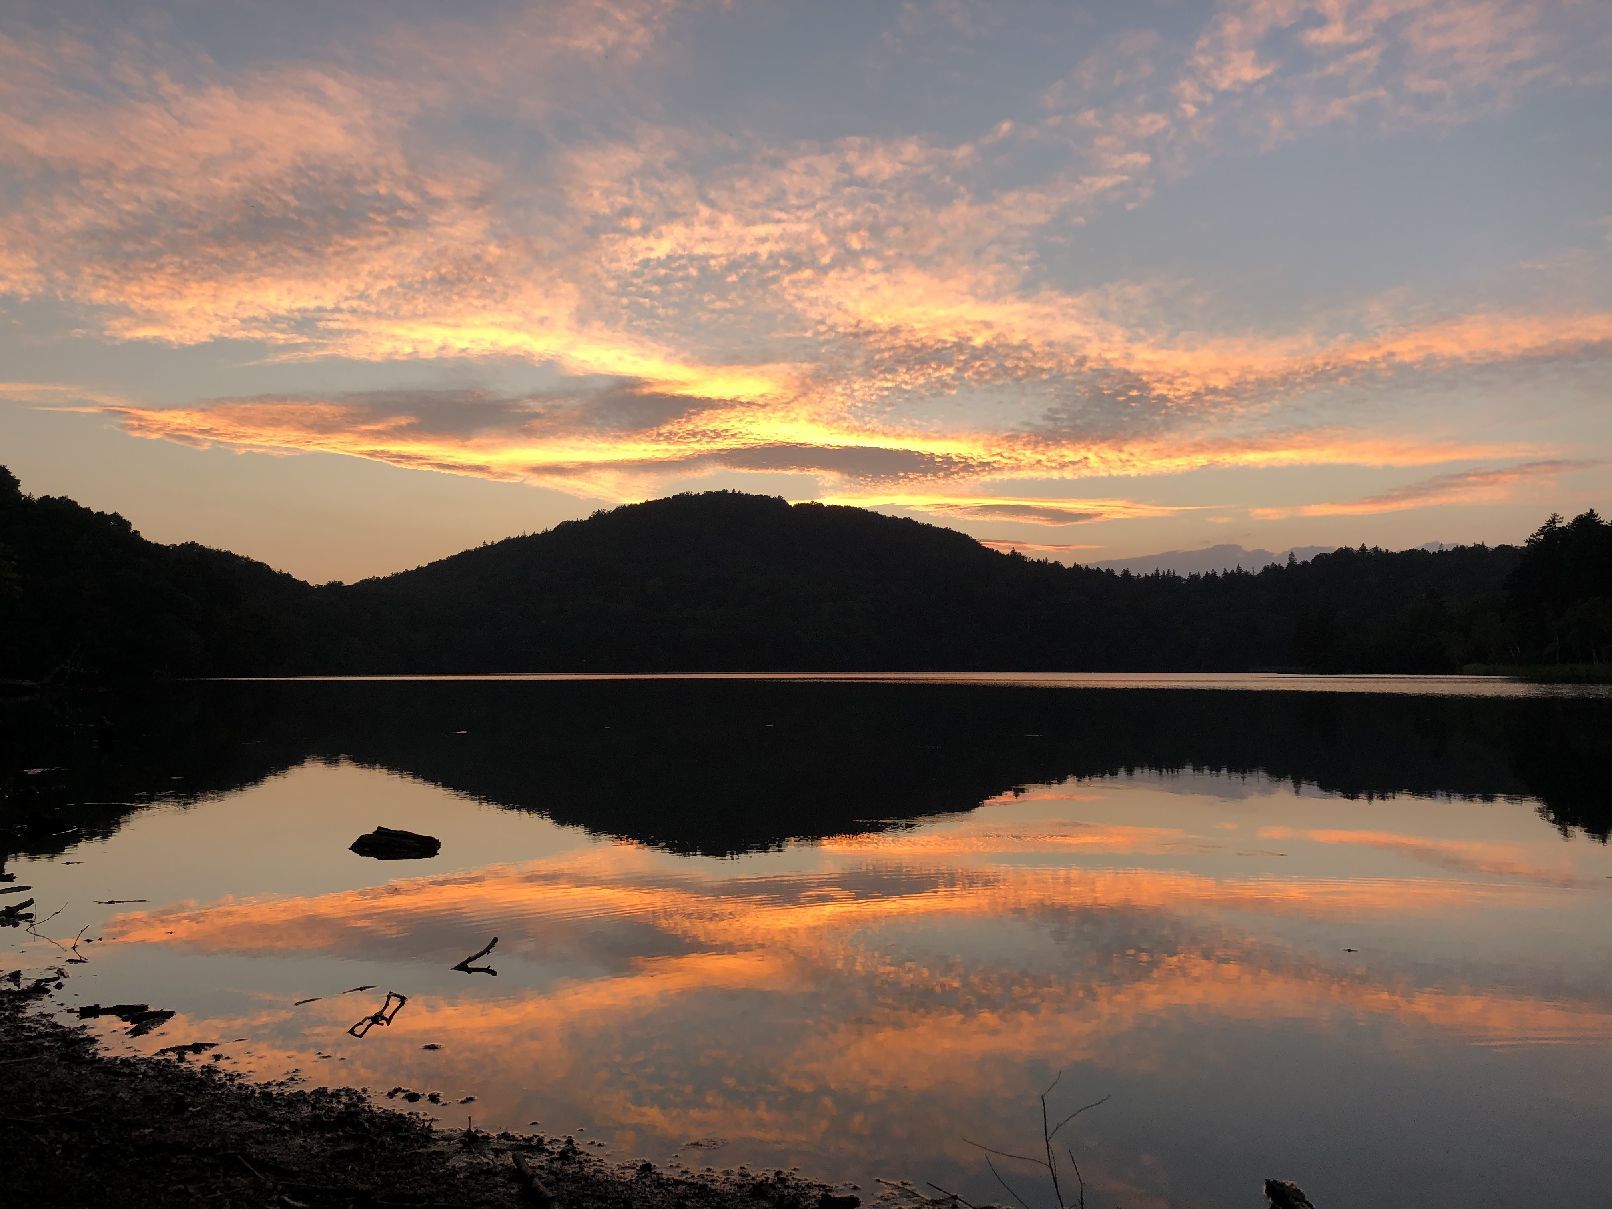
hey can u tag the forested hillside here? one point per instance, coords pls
(724, 581)
(82, 595)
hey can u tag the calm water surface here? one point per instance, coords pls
(1358, 939)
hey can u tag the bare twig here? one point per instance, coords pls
(1078, 1111)
(1048, 1162)
(1003, 1154)
(1078, 1177)
(32, 925)
(904, 1189)
(1007, 1186)
(1046, 1137)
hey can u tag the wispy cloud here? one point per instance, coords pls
(60, 395)
(1480, 485)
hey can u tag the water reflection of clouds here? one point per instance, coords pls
(1464, 856)
(783, 1048)
(872, 996)
(878, 917)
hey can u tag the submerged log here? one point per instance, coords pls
(390, 844)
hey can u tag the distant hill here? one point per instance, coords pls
(719, 580)
(724, 581)
(1222, 558)
(1211, 558)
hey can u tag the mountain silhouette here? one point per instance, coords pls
(724, 581)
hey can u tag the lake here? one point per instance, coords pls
(1349, 932)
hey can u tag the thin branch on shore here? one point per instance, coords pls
(1049, 1162)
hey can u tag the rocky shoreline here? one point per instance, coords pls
(82, 1128)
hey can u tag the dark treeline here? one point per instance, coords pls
(719, 767)
(729, 582)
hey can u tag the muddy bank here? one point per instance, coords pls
(79, 1128)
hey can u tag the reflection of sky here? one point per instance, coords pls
(1073, 277)
(858, 1005)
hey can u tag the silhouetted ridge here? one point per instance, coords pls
(81, 592)
(724, 581)
(715, 581)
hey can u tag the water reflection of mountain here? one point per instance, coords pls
(726, 766)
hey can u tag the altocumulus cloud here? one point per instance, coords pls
(878, 307)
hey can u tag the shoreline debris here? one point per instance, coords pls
(141, 1018)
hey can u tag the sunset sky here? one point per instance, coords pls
(348, 287)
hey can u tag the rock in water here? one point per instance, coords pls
(1284, 1194)
(389, 844)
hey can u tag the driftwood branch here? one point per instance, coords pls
(464, 967)
(383, 1016)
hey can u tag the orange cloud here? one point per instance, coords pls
(829, 306)
(1034, 547)
(1052, 512)
(625, 442)
(1477, 486)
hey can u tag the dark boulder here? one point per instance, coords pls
(389, 844)
(1284, 1194)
